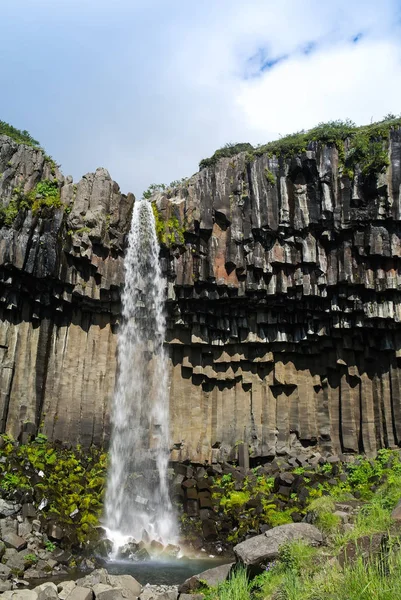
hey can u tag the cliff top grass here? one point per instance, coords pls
(332, 132)
(21, 137)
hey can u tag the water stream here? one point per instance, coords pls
(137, 501)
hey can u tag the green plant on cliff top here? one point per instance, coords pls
(367, 145)
(21, 137)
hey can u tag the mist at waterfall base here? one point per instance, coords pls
(137, 504)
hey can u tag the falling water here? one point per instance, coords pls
(137, 498)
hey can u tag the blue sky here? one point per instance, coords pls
(146, 88)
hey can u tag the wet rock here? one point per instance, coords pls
(104, 548)
(212, 577)
(128, 550)
(209, 530)
(265, 547)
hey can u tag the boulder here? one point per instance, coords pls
(65, 588)
(212, 577)
(20, 595)
(8, 508)
(97, 576)
(265, 547)
(130, 586)
(47, 591)
(80, 593)
(103, 591)
(5, 586)
(12, 540)
(5, 571)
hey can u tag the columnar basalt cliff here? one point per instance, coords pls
(61, 257)
(283, 301)
(284, 305)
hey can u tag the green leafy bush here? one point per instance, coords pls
(73, 481)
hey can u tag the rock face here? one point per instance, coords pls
(61, 269)
(283, 304)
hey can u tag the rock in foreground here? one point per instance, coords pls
(265, 547)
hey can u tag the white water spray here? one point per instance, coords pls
(137, 499)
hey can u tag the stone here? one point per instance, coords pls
(20, 595)
(55, 532)
(191, 596)
(65, 588)
(265, 548)
(8, 525)
(97, 576)
(2, 549)
(209, 529)
(5, 586)
(24, 528)
(12, 540)
(28, 511)
(130, 587)
(14, 560)
(80, 593)
(107, 592)
(212, 577)
(366, 547)
(7, 509)
(5, 571)
(47, 591)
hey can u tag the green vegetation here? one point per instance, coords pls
(72, 482)
(366, 146)
(21, 137)
(79, 231)
(305, 573)
(226, 151)
(162, 187)
(270, 176)
(46, 194)
(257, 504)
(168, 232)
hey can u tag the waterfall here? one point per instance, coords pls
(137, 500)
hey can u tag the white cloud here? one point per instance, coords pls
(146, 88)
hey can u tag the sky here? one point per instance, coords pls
(147, 88)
